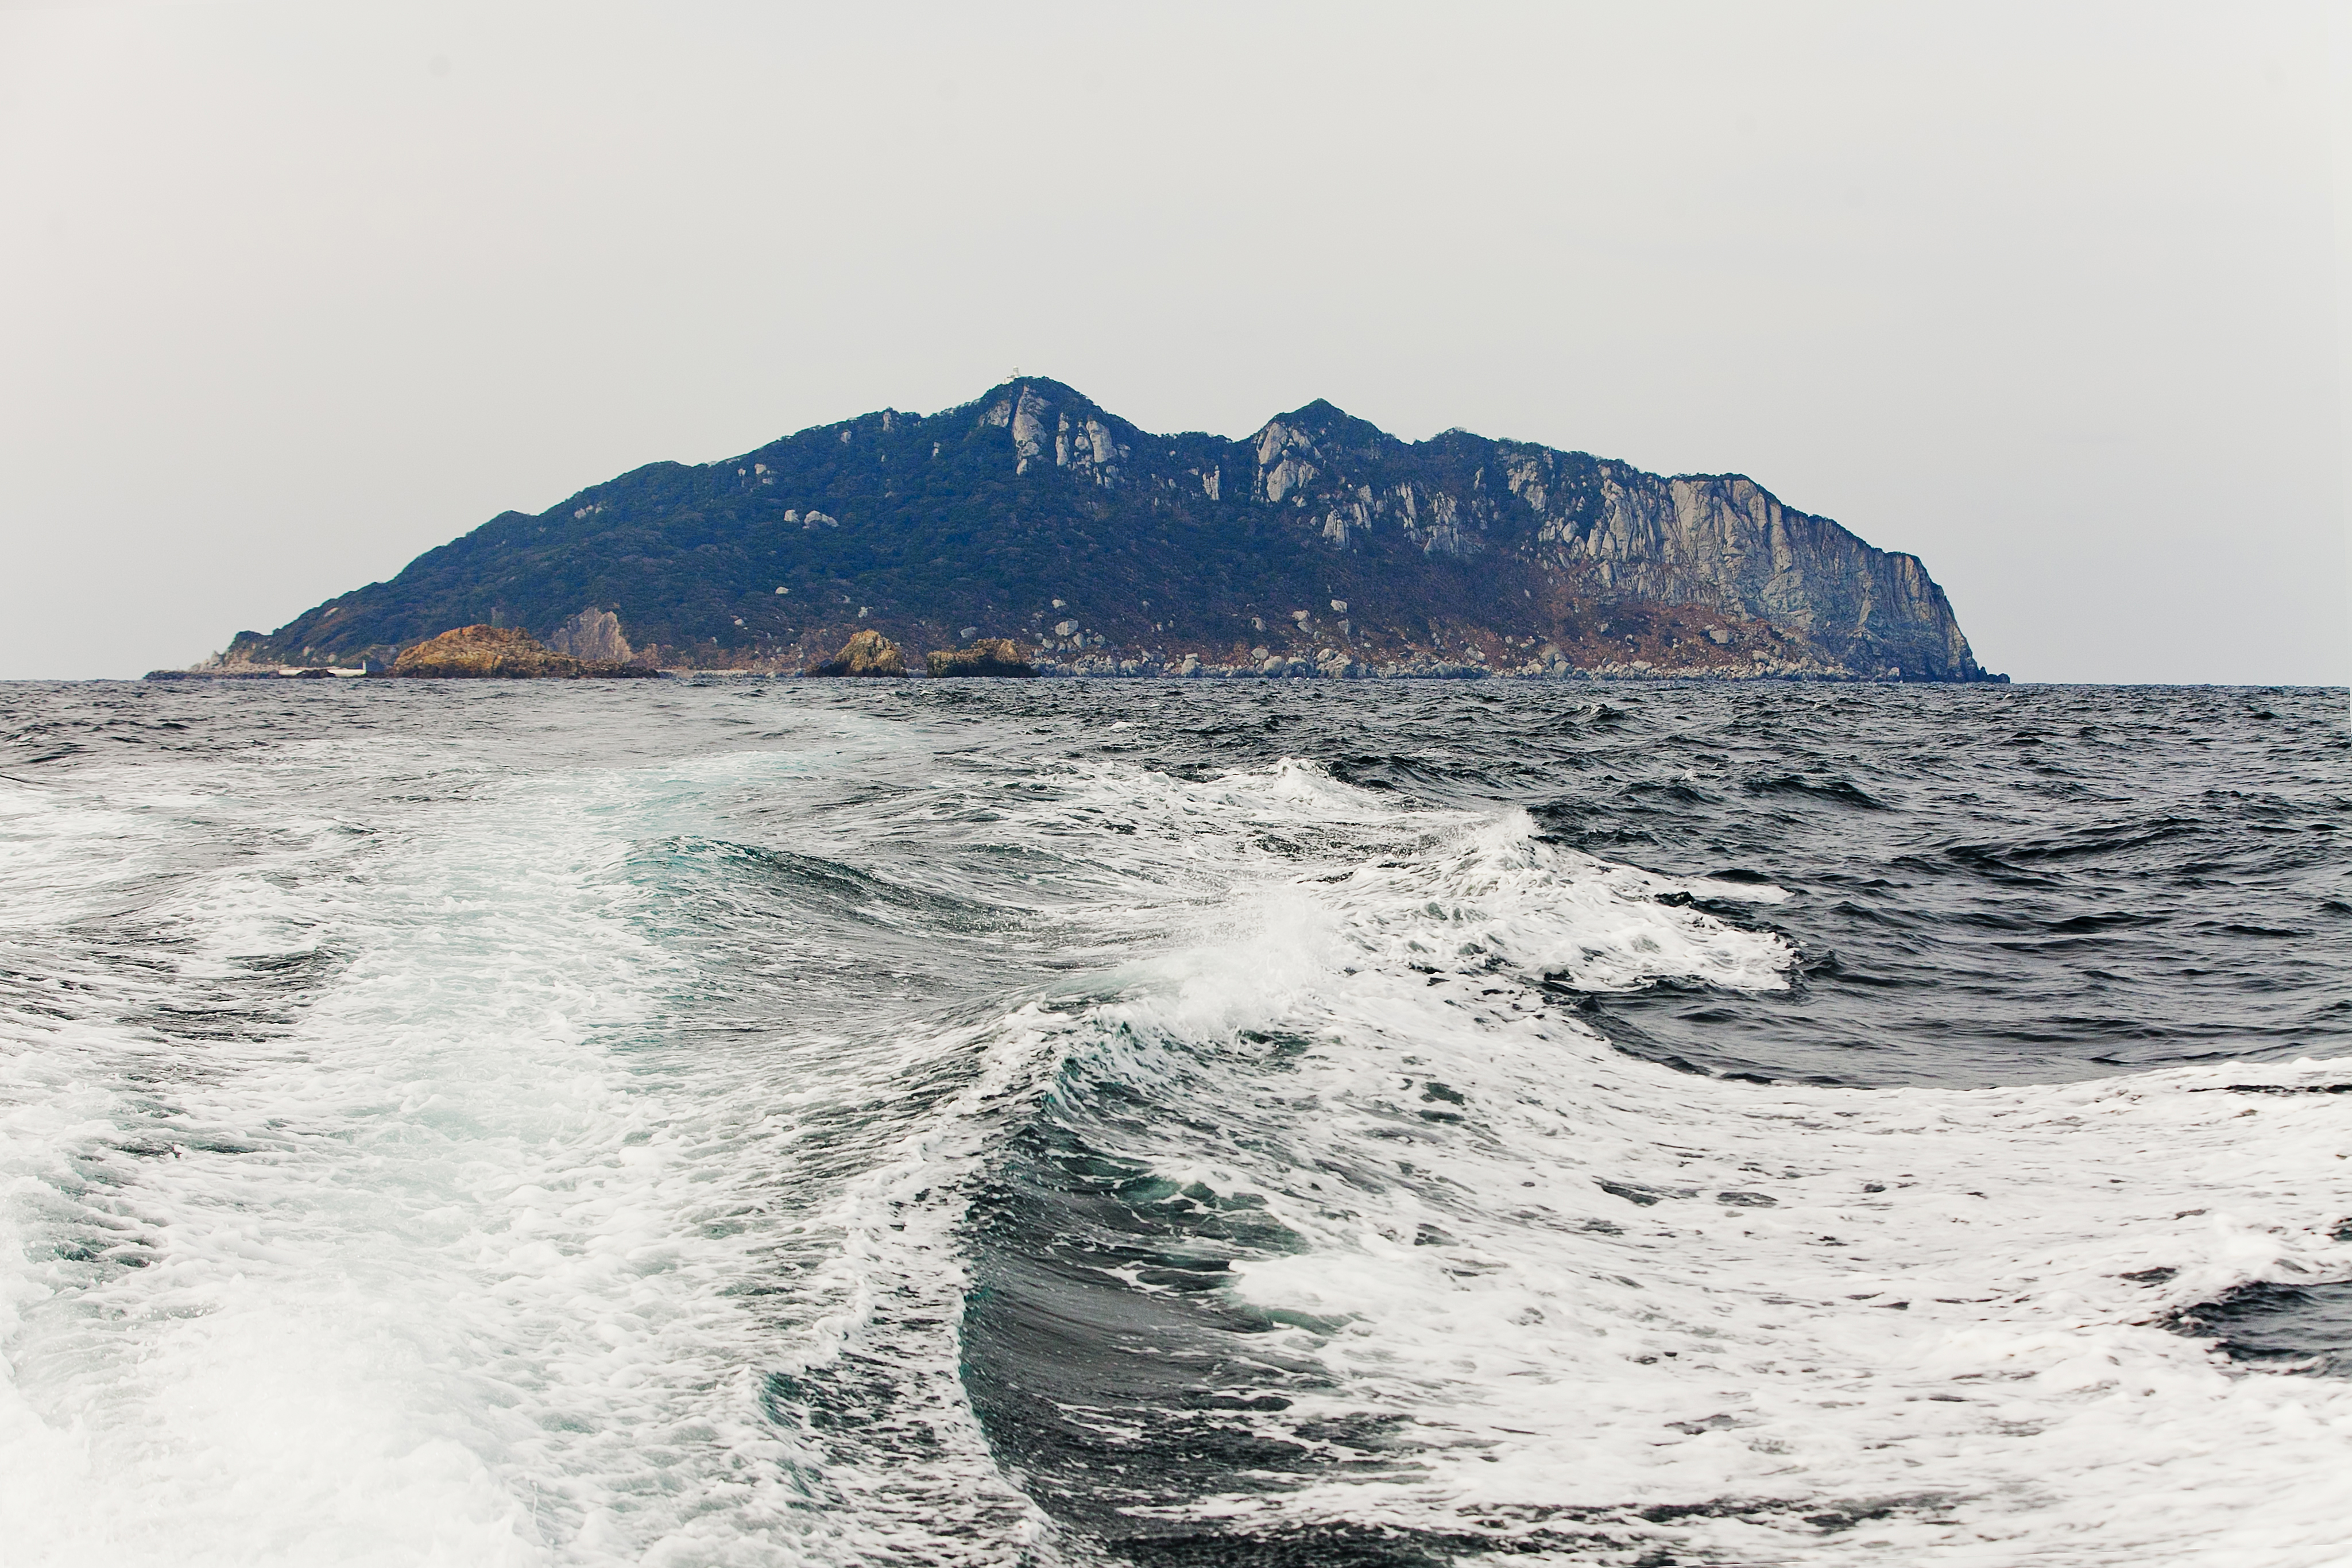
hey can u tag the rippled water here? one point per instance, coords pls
(1084, 1123)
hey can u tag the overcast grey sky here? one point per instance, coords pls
(2047, 294)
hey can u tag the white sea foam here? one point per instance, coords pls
(464, 1259)
(1840, 1324)
(474, 1245)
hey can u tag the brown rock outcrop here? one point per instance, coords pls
(867, 654)
(989, 656)
(500, 653)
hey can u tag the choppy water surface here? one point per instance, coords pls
(1057, 1123)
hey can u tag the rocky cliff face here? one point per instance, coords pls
(1720, 549)
(594, 635)
(1727, 544)
(1321, 545)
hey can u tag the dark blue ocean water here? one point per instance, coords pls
(1172, 1122)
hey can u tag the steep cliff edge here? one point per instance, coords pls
(1322, 545)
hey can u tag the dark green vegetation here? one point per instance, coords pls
(1032, 514)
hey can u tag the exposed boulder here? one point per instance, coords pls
(989, 656)
(867, 654)
(500, 653)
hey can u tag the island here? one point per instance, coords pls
(1031, 531)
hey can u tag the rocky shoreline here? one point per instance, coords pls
(868, 653)
(1280, 667)
(465, 653)
(1112, 664)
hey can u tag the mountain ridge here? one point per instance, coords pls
(1320, 544)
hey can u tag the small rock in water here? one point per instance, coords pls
(867, 654)
(989, 656)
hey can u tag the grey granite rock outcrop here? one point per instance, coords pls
(592, 634)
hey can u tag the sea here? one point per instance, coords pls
(1327, 1124)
